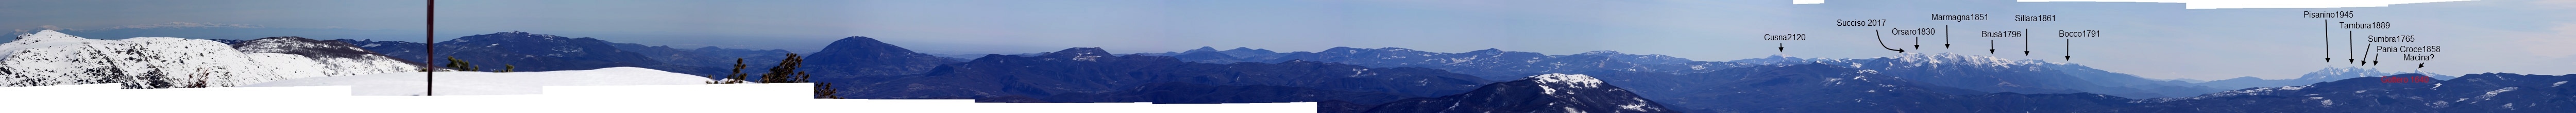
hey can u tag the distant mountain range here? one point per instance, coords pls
(1980, 73)
(2321, 75)
(1081, 70)
(1491, 64)
(1347, 79)
(845, 59)
(856, 57)
(1818, 87)
(538, 52)
(2481, 93)
(1992, 74)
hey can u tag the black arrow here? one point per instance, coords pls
(2328, 35)
(1918, 42)
(2348, 50)
(2374, 59)
(1990, 46)
(1882, 41)
(2025, 42)
(2070, 49)
(2419, 65)
(1945, 36)
(1784, 47)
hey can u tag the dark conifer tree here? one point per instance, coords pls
(785, 72)
(825, 91)
(460, 65)
(737, 76)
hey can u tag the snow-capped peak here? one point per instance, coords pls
(42, 39)
(46, 34)
(1573, 80)
(1603, 52)
(2331, 73)
(1947, 58)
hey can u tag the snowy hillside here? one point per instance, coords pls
(54, 58)
(346, 59)
(489, 83)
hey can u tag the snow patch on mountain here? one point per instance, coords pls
(491, 83)
(2252, 91)
(1571, 80)
(2492, 93)
(1573, 93)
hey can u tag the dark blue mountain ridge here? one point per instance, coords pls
(1208, 57)
(1981, 73)
(1194, 93)
(1818, 87)
(707, 61)
(1549, 93)
(1993, 74)
(1495, 64)
(1201, 49)
(1241, 52)
(1093, 71)
(1246, 52)
(539, 52)
(2321, 75)
(862, 57)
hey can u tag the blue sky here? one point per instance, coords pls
(237, 19)
(95, 14)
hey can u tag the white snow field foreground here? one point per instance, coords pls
(490, 83)
(692, 98)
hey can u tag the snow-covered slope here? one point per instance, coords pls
(489, 83)
(342, 57)
(54, 58)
